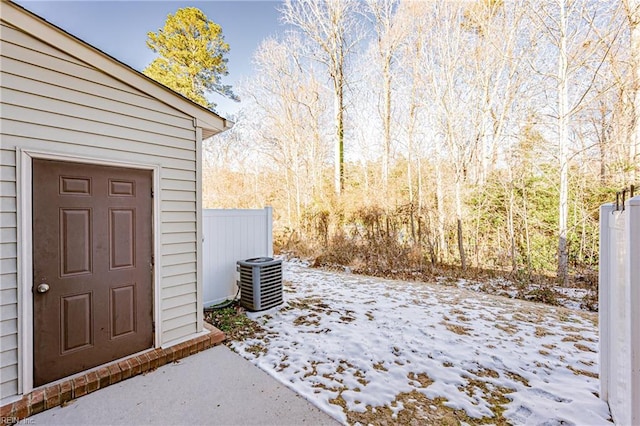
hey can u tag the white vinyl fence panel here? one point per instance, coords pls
(231, 235)
(619, 307)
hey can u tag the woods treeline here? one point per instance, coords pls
(421, 135)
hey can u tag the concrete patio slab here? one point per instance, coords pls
(215, 387)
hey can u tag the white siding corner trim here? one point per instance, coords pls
(25, 261)
(199, 235)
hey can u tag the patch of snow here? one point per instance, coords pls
(361, 341)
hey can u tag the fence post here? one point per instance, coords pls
(633, 275)
(269, 211)
(604, 308)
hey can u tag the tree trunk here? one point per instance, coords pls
(525, 219)
(463, 260)
(633, 8)
(386, 122)
(442, 248)
(410, 136)
(419, 184)
(338, 176)
(603, 140)
(458, 195)
(512, 237)
(563, 136)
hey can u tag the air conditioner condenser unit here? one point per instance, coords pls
(260, 283)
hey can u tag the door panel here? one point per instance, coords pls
(122, 312)
(92, 245)
(76, 329)
(122, 242)
(75, 241)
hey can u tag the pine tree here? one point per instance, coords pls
(191, 59)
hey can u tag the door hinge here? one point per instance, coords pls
(152, 263)
(153, 326)
(151, 192)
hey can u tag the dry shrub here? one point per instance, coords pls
(289, 242)
(543, 294)
(399, 243)
(370, 241)
(590, 301)
(587, 279)
(341, 250)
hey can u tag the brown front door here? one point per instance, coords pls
(92, 266)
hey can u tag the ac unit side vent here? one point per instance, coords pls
(260, 283)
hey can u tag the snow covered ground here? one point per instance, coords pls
(369, 350)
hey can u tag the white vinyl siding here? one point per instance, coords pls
(55, 103)
(8, 275)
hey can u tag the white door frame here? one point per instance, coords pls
(24, 194)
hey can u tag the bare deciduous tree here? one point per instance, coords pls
(571, 28)
(389, 34)
(288, 119)
(330, 25)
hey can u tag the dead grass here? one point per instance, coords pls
(346, 319)
(310, 303)
(541, 332)
(507, 328)
(457, 328)
(380, 366)
(572, 338)
(485, 372)
(517, 378)
(257, 349)
(313, 371)
(419, 410)
(421, 378)
(310, 320)
(577, 371)
(583, 348)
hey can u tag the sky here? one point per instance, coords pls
(120, 29)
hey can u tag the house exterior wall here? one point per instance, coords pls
(54, 103)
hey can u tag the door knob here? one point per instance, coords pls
(43, 288)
